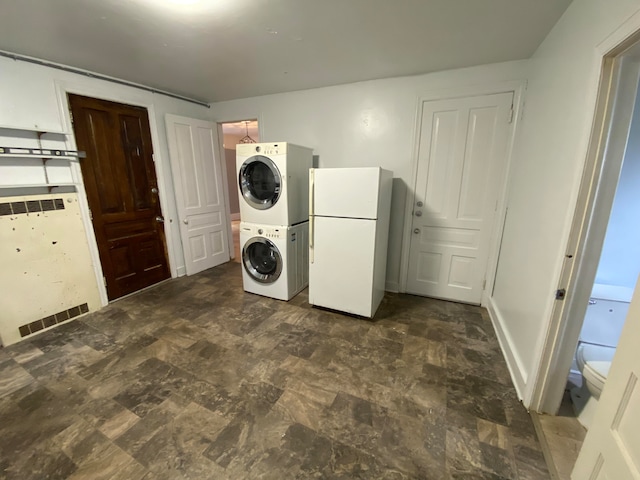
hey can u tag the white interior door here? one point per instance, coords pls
(197, 177)
(611, 449)
(461, 166)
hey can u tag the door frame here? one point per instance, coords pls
(588, 227)
(518, 88)
(65, 87)
(225, 174)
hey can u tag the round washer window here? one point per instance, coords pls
(260, 182)
(262, 260)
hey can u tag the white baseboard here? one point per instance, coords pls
(518, 374)
(393, 287)
(181, 271)
(235, 217)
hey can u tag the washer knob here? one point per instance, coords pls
(260, 231)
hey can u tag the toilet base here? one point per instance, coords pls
(584, 404)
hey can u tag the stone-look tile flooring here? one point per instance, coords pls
(564, 436)
(197, 379)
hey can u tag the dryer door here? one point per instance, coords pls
(260, 182)
(262, 260)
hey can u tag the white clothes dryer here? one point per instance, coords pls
(275, 260)
(273, 182)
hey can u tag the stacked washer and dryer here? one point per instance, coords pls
(274, 230)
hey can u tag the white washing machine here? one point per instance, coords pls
(273, 182)
(275, 260)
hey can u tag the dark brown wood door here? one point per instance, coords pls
(120, 180)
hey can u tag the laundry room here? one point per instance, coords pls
(317, 240)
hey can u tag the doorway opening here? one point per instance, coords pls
(234, 133)
(122, 190)
(602, 260)
(600, 228)
(616, 275)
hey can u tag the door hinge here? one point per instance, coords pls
(484, 284)
(104, 280)
(561, 293)
(71, 116)
(90, 215)
(511, 114)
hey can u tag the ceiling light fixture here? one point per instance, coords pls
(246, 138)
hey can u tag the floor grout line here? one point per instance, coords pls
(544, 445)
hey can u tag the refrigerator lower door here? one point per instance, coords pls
(341, 274)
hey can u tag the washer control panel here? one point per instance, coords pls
(265, 231)
(274, 233)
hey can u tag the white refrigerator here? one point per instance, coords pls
(349, 211)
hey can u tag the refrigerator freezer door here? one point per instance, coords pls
(341, 275)
(346, 192)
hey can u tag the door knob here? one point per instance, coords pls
(185, 221)
(154, 190)
(416, 230)
(159, 219)
(419, 204)
(418, 213)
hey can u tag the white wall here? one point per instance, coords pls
(362, 124)
(33, 97)
(548, 163)
(620, 261)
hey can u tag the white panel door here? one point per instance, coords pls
(611, 449)
(461, 163)
(197, 177)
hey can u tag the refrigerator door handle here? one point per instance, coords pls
(311, 216)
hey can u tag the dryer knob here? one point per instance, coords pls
(259, 231)
(258, 148)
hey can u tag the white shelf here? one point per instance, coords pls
(40, 185)
(35, 129)
(41, 153)
(39, 157)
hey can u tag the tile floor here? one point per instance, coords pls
(195, 379)
(563, 436)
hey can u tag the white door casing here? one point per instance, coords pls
(611, 449)
(462, 159)
(199, 189)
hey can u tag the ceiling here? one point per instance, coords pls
(216, 50)
(242, 128)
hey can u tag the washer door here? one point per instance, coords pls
(262, 260)
(260, 182)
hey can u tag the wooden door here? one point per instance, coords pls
(122, 189)
(611, 449)
(199, 192)
(461, 163)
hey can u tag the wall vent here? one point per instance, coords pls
(31, 206)
(52, 320)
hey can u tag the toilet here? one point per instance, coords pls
(594, 362)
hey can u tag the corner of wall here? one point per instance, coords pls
(519, 375)
(392, 287)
